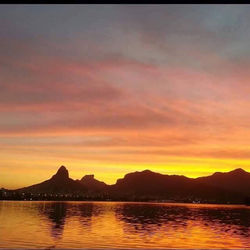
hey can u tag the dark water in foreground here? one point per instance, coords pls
(122, 225)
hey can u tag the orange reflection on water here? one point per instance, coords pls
(123, 225)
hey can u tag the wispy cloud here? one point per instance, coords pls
(107, 85)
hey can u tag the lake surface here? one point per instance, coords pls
(122, 225)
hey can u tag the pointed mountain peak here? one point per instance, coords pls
(61, 173)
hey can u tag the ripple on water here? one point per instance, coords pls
(122, 225)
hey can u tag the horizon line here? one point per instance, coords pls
(239, 169)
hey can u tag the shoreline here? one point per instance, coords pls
(132, 202)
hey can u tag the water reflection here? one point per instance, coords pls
(125, 225)
(86, 213)
(236, 221)
(151, 218)
(83, 212)
(166, 219)
(56, 213)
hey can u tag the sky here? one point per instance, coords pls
(112, 89)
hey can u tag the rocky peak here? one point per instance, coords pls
(62, 173)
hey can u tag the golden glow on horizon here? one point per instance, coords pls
(23, 173)
(27, 160)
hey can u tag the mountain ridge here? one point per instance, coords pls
(232, 186)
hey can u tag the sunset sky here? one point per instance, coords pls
(115, 89)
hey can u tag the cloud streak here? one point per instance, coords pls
(98, 86)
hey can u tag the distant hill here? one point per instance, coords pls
(92, 184)
(59, 183)
(150, 183)
(237, 180)
(232, 187)
(147, 184)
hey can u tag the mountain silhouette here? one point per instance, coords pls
(92, 184)
(59, 183)
(150, 183)
(237, 180)
(147, 184)
(233, 187)
(61, 174)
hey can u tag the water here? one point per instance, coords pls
(122, 225)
